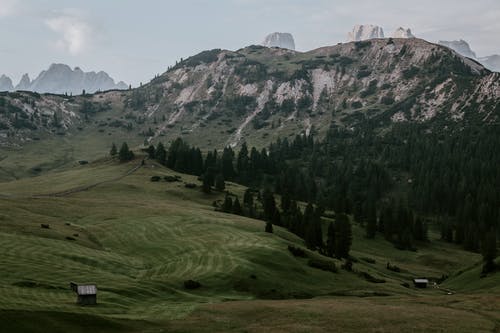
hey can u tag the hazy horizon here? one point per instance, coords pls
(134, 41)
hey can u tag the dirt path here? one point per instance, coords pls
(88, 187)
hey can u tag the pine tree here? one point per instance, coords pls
(237, 210)
(330, 241)
(343, 236)
(489, 251)
(371, 222)
(228, 204)
(269, 227)
(161, 154)
(208, 180)
(151, 152)
(248, 198)
(269, 204)
(220, 185)
(125, 153)
(113, 150)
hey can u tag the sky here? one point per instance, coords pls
(135, 40)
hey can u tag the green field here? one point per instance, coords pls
(140, 240)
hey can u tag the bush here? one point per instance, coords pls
(155, 178)
(297, 251)
(189, 185)
(324, 265)
(393, 268)
(45, 226)
(191, 284)
(172, 179)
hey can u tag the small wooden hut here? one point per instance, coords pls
(420, 283)
(86, 293)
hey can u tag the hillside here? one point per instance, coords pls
(139, 240)
(259, 94)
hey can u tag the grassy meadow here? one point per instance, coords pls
(140, 240)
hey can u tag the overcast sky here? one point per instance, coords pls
(134, 40)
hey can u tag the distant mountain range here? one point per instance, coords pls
(462, 47)
(61, 79)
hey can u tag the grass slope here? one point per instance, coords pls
(139, 240)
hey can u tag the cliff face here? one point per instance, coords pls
(365, 32)
(5, 83)
(460, 46)
(282, 40)
(258, 94)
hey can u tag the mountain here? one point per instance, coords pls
(25, 83)
(402, 33)
(460, 46)
(365, 32)
(5, 83)
(282, 40)
(61, 79)
(257, 94)
(491, 62)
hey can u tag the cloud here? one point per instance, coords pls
(8, 7)
(74, 31)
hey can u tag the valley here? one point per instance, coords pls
(139, 240)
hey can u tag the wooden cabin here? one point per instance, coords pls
(420, 283)
(86, 293)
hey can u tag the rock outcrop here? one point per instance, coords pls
(402, 33)
(364, 32)
(5, 83)
(459, 46)
(283, 40)
(25, 83)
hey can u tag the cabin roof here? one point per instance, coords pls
(421, 280)
(89, 289)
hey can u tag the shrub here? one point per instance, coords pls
(155, 178)
(191, 284)
(189, 185)
(297, 251)
(324, 265)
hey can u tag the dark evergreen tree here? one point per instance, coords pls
(269, 204)
(125, 153)
(228, 204)
(489, 251)
(151, 152)
(237, 209)
(330, 240)
(343, 236)
(161, 154)
(371, 222)
(113, 150)
(269, 227)
(220, 185)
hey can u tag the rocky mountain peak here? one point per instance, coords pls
(364, 32)
(25, 83)
(402, 33)
(282, 40)
(5, 83)
(459, 46)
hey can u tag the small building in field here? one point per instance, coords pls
(86, 293)
(420, 283)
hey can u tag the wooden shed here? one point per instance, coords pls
(420, 283)
(86, 293)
